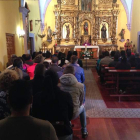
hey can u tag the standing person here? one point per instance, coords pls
(54, 66)
(68, 82)
(69, 55)
(18, 66)
(128, 45)
(37, 82)
(123, 65)
(20, 125)
(38, 59)
(54, 105)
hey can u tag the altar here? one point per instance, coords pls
(94, 49)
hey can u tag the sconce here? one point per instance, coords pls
(21, 33)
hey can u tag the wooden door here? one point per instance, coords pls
(10, 42)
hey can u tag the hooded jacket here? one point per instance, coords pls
(69, 83)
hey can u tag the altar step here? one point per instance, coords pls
(91, 63)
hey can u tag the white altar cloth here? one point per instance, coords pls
(88, 47)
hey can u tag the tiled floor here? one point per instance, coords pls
(96, 107)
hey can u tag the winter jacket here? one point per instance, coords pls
(69, 83)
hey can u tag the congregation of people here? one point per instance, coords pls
(123, 60)
(40, 95)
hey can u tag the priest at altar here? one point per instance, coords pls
(87, 43)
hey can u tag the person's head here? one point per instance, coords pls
(28, 57)
(55, 60)
(123, 59)
(106, 53)
(123, 53)
(113, 53)
(24, 56)
(20, 96)
(39, 59)
(33, 55)
(18, 63)
(44, 55)
(6, 79)
(13, 57)
(116, 57)
(39, 70)
(127, 40)
(69, 70)
(46, 64)
(101, 56)
(75, 53)
(69, 55)
(74, 59)
(54, 77)
(48, 54)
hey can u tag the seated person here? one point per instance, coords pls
(113, 54)
(38, 59)
(37, 82)
(54, 105)
(98, 63)
(18, 64)
(132, 61)
(116, 60)
(68, 82)
(106, 60)
(6, 79)
(20, 125)
(124, 64)
(54, 66)
(79, 60)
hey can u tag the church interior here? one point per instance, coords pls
(99, 39)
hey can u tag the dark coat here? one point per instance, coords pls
(123, 66)
(58, 110)
(55, 68)
(37, 83)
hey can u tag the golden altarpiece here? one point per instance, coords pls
(78, 21)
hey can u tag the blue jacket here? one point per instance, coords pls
(79, 73)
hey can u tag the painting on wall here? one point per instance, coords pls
(86, 5)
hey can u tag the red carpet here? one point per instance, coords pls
(112, 102)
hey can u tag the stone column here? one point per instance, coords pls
(24, 12)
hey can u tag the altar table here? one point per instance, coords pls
(95, 49)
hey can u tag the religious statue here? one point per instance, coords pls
(86, 28)
(103, 31)
(68, 31)
(49, 34)
(114, 1)
(128, 45)
(121, 34)
(86, 5)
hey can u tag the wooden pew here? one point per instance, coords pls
(119, 76)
